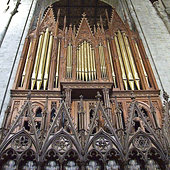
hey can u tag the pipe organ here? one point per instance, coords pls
(107, 56)
(59, 74)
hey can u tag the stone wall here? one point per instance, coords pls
(155, 37)
(11, 47)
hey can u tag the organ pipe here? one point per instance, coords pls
(111, 63)
(91, 62)
(43, 59)
(69, 60)
(132, 64)
(77, 70)
(58, 60)
(37, 61)
(85, 59)
(25, 67)
(121, 64)
(146, 76)
(94, 65)
(46, 73)
(88, 59)
(80, 60)
(82, 54)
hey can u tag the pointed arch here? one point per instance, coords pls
(50, 155)
(28, 159)
(65, 139)
(24, 138)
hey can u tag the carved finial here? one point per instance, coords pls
(84, 14)
(74, 29)
(98, 96)
(63, 96)
(165, 95)
(81, 103)
(65, 22)
(29, 95)
(94, 29)
(50, 6)
(58, 15)
(107, 16)
(98, 25)
(133, 96)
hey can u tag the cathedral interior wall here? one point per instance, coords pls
(11, 48)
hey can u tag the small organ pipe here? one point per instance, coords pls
(43, 59)
(80, 60)
(48, 61)
(71, 51)
(125, 60)
(37, 61)
(85, 59)
(121, 64)
(132, 64)
(88, 59)
(58, 60)
(111, 63)
(94, 66)
(82, 54)
(92, 62)
(77, 70)
(25, 68)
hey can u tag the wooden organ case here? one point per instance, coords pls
(92, 89)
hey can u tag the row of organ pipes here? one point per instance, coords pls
(85, 63)
(40, 74)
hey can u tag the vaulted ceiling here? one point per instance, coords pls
(73, 10)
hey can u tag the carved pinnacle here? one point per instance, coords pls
(98, 96)
(132, 96)
(29, 95)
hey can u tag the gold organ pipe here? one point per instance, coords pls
(111, 63)
(71, 51)
(88, 59)
(80, 68)
(46, 73)
(121, 64)
(91, 60)
(94, 65)
(68, 61)
(26, 61)
(146, 76)
(132, 64)
(125, 60)
(104, 64)
(85, 54)
(58, 60)
(42, 61)
(37, 61)
(82, 55)
(77, 70)
(101, 64)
